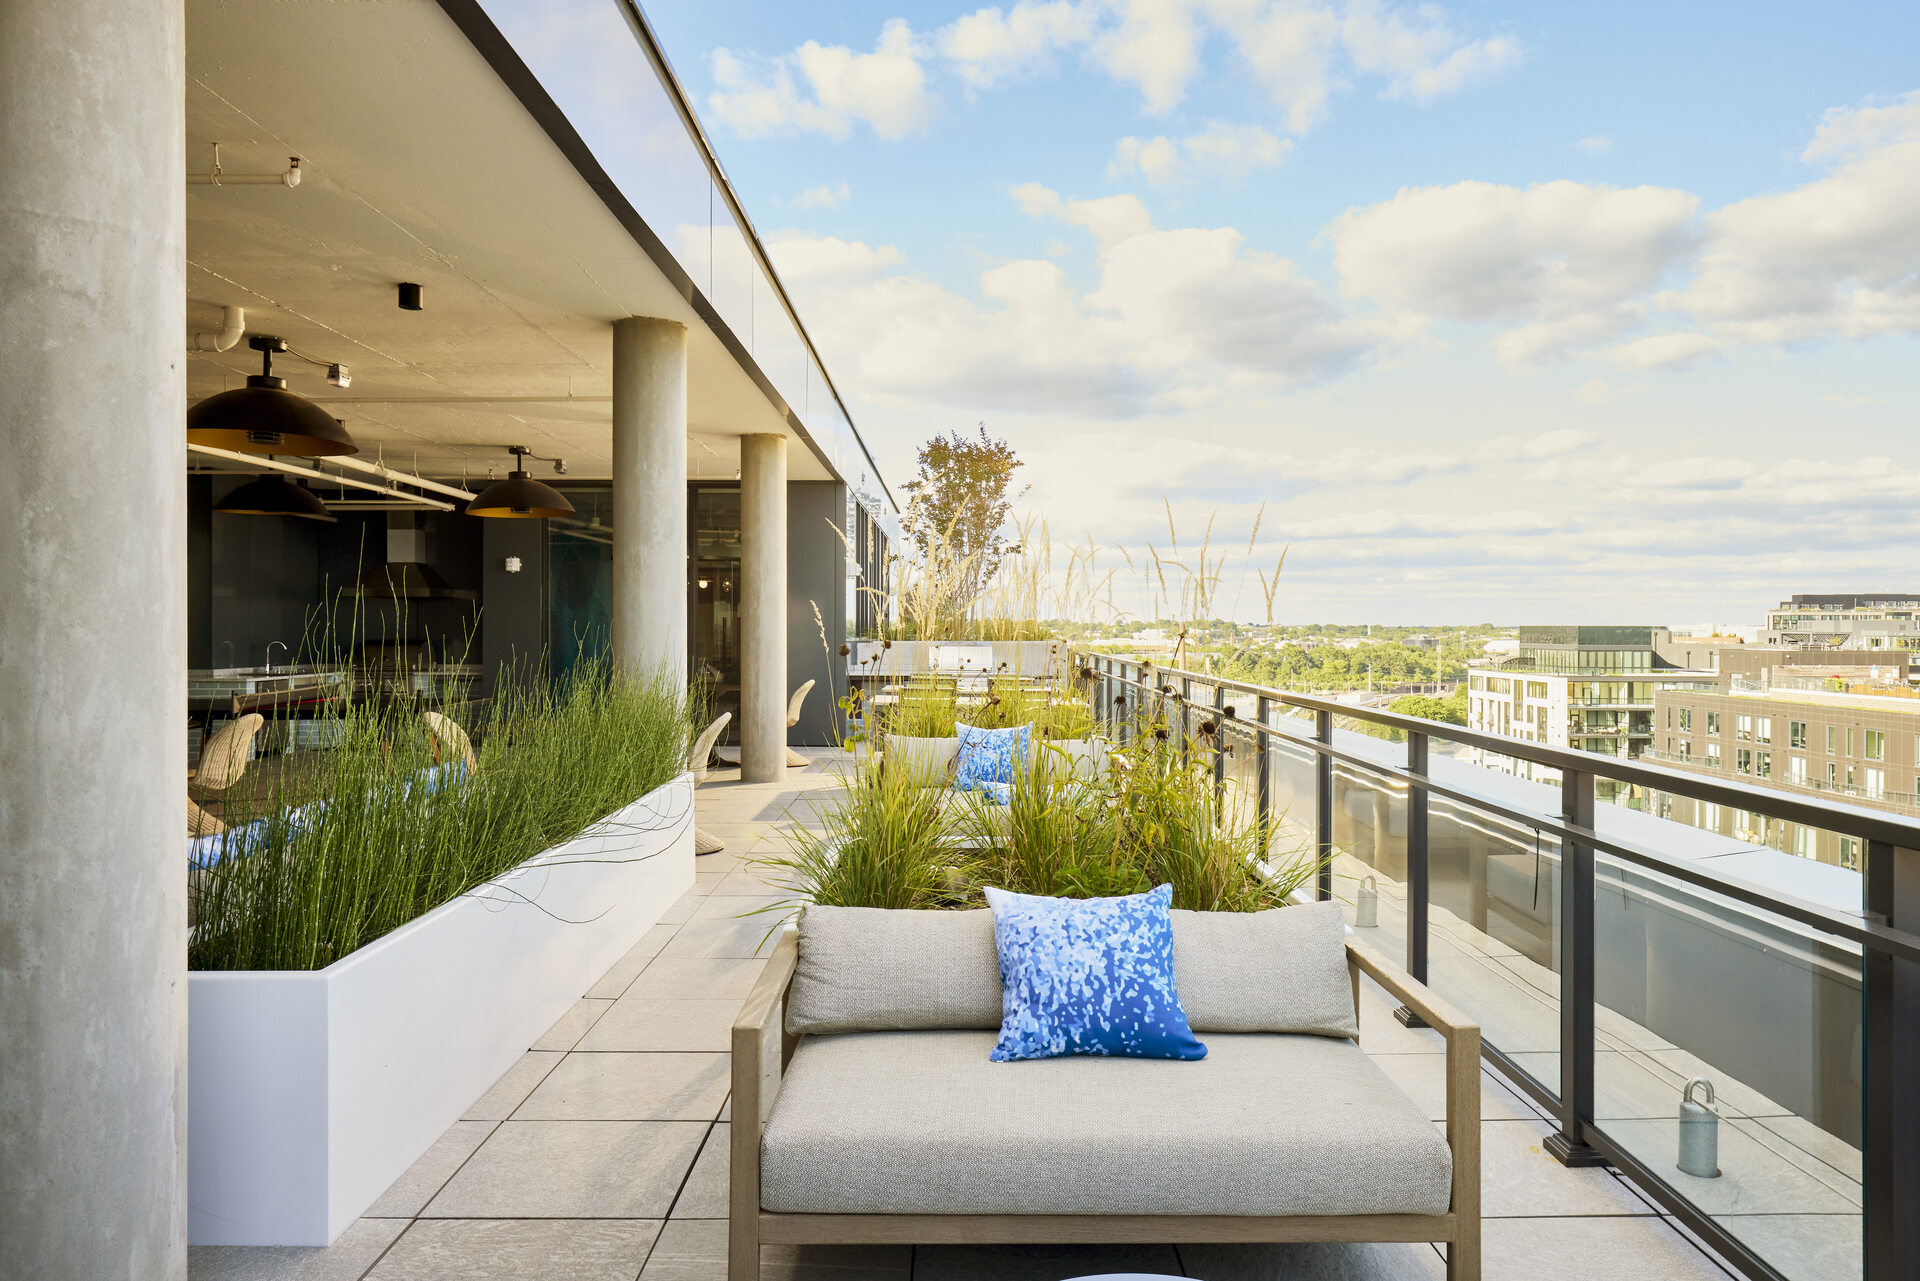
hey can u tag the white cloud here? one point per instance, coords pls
(1839, 256)
(1176, 315)
(822, 197)
(1221, 150)
(1596, 145)
(1155, 47)
(803, 259)
(1418, 50)
(1110, 218)
(825, 89)
(988, 47)
(1664, 351)
(1546, 444)
(1850, 402)
(1564, 262)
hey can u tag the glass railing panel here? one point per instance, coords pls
(733, 272)
(777, 348)
(1370, 857)
(1493, 929)
(1690, 984)
(1291, 821)
(590, 61)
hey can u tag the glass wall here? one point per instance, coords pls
(714, 563)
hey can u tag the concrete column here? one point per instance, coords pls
(93, 636)
(650, 495)
(763, 608)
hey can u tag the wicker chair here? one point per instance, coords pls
(705, 842)
(450, 741)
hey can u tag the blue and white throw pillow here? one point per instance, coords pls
(1088, 976)
(989, 756)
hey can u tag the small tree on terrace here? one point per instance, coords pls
(957, 505)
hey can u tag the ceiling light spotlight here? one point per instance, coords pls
(274, 496)
(409, 296)
(559, 466)
(519, 495)
(265, 418)
(339, 375)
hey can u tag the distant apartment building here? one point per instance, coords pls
(1828, 733)
(1883, 621)
(1588, 688)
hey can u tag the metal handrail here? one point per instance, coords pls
(1889, 951)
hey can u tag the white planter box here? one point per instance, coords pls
(309, 1093)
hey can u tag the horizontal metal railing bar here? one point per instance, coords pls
(1703, 1225)
(1848, 819)
(1867, 933)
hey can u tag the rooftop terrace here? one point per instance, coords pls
(603, 1153)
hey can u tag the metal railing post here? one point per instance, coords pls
(1891, 1051)
(1219, 748)
(1262, 783)
(1186, 719)
(1570, 1146)
(1418, 881)
(1323, 801)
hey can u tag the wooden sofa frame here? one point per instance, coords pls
(762, 1048)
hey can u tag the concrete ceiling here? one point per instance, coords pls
(420, 165)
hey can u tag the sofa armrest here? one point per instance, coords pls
(760, 1052)
(1463, 1077)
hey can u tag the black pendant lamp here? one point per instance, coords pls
(519, 496)
(274, 495)
(265, 418)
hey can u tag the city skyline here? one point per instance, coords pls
(1488, 337)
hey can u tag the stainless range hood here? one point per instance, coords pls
(406, 575)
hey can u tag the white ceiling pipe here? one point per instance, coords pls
(398, 477)
(290, 177)
(233, 327)
(257, 462)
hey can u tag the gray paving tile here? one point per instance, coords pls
(766, 908)
(688, 978)
(1423, 1078)
(683, 908)
(1644, 1247)
(573, 1025)
(1296, 1261)
(754, 936)
(696, 1250)
(630, 1087)
(412, 1190)
(755, 880)
(704, 1195)
(1381, 1033)
(1754, 1178)
(1039, 1262)
(345, 1260)
(573, 1169)
(1816, 1142)
(639, 1024)
(1519, 1178)
(623, 971)
(506, 1094)
(1804, 1247)
(519, 1250)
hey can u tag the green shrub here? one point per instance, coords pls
(388, 839)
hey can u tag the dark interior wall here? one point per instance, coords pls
(254, 580)
(816, 577)
(513, 626)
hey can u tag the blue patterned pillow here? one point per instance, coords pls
(1088, 976)
(989, 755)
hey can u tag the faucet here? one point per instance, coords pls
(270, 645)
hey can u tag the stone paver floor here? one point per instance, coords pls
(602, 1155)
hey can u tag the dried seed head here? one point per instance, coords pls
(1230, 713)
(1161, 733)
(845, 650)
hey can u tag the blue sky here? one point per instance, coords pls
(1524, 313)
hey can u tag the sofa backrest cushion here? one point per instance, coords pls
(1282, 970)
(865, 969)
(931, 758)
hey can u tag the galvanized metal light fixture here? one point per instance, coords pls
(265, 418)
(274, 495)
(519, 496)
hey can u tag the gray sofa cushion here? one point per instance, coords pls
(866, 969)
(930, 758)
(1283, 970)
(923, 1123)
